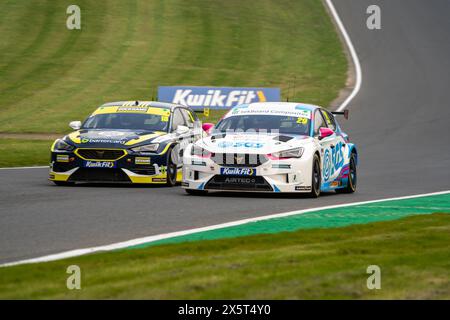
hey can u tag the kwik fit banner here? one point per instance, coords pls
(216, 97)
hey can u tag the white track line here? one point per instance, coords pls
(138, 241)
(17, 168)
(353, 54)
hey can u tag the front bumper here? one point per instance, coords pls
(280, 175)
(127, 168)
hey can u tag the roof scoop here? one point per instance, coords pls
(283, 138)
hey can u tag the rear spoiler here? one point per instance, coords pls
(204, 111)
(345, 113)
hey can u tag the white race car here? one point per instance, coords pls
(272, 147)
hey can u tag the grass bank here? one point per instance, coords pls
(17, 152)
(50, 75)
(331, 263)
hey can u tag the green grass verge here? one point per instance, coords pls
(309, 264)
(50, 75)
(16, 152)
(324, 218)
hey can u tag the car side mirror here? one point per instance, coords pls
(75, 125)
(325, 132)
(182, 129)
(207, 127)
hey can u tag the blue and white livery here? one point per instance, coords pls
(272, 147)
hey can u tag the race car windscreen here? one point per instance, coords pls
(265, 123)
(127, 121)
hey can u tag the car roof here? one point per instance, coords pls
(283, 105)
(142, 107)
(294, 109)
(141, 103)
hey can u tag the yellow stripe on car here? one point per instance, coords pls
(52, 148)
(145, 137)
(166, 148)
(137, 178)
(61, 176)
(75, 136)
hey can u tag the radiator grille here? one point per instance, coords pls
(239, 160)
(99, 175)
(99, 154)
(150, 171)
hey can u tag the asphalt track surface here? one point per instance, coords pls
(399, 120)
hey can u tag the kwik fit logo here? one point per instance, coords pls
(216, 97)
(238, 171)
(99, 164)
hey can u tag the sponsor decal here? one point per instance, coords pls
(326, 165)
(238, 180)
(334, 184)
(238, 171)
(88, 140)
(146, 153)
(159, 179)
(303, 113)
(275, 112)
(333, 160)
(99, 164)
(303, 188)
(248, 144)
(132, 109)
(111, 133)
(337, 156)
(142, 160)
(216, 97)
(62, 158)
(163, 169)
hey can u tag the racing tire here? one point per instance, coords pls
(352, 177)
(172, 169)
(196, 192)
(316, 179)
(64, 183)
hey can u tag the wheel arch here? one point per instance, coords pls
(318, 154)
(352, 150)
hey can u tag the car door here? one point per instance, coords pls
(333, 148)
(194, 125)
(181, 118)
(178, 120)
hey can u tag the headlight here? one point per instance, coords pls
(61, 145)
(199, 152)
(147, 148)
(292, 153)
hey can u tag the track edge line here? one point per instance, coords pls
(149, 239)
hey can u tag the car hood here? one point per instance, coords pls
(111, 138)
(252, 143)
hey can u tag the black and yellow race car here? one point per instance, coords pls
(126, 141)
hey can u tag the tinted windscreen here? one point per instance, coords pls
(266, 123)
(131, 121)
